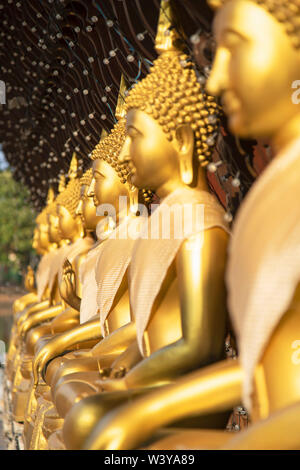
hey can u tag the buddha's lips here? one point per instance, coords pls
(230, 102)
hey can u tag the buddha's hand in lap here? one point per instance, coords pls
(118, 372)
(67, 287)
(111, 385)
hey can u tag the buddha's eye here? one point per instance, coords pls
(98, 176)
(132, 132)
(232, 39)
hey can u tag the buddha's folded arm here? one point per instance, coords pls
(212, 389)
(88, 331)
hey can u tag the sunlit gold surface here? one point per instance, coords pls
(108, 187)
(249, 75)
(187, 323)
(51, 229)
(68, 389)
(254, 68)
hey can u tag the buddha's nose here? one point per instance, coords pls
(218, 78)
(78, 210)
(91, 188)
(125, 152)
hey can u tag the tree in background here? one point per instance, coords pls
(17, 221)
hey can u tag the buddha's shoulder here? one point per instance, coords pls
(216, 236)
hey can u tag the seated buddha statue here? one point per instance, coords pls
(20, 305)
(47, 247)
(33, 299)
(47, 288)
(71, 228)
(16, 348)
(106, 151)
(29, 284)
(177, 292)
(33, 295)
(256, 66)
(112, 256)
(23, 302)
(69, 318)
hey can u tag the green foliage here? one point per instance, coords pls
(17, 221)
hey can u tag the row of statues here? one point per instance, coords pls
(121, 345)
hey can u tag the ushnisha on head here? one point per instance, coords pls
(86, 208)
(172, 96)
(42, 237)
(84, 183)
(70, 225)
(171, 122)
(110, 176)
(69, 195)
(109, 148)
(42, 217)
(86, 178)
(69, 198)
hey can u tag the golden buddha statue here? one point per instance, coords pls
(49, 240)
(177, 292)
(69, 319)
(16, 349)
(112, 256)
(256, 63)
(104, 156)
(46, 247)
(31, 298)
(29, 280)
(70, 228)
(21, 303)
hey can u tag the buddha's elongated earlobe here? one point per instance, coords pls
(184, 144)
(133, 199)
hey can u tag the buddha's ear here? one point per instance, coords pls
(184, 142)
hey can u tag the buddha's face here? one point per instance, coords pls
(147, 149)
(35, 241)
(86, 209)
(43, 241)
(35, 238)
(108, 187)
(54, 233)
(68, 225)
(253, 71)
